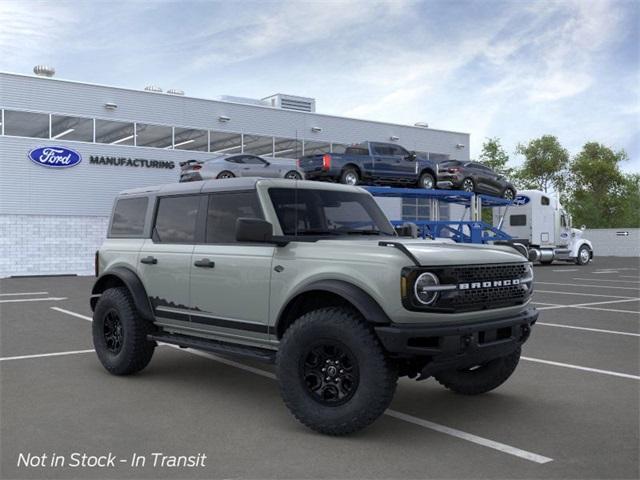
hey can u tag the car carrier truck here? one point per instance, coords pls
(538, 221)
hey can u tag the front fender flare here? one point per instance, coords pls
(133, 283)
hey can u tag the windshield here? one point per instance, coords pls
(326, 212)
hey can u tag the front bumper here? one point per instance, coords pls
(447, 347)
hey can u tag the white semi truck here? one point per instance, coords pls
(539, 222)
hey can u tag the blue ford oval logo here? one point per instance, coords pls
(55, 157)
(521, 200)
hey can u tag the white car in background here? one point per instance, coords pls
(240, 165)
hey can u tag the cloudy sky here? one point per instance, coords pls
(514, 69)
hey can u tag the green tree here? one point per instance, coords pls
(600, 195)
(494, 156)
(545, 164)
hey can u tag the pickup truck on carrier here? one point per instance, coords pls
(372, 162)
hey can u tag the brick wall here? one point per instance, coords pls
(45, 245)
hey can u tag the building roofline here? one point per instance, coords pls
(231, 103)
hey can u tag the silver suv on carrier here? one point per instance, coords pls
(312, 277)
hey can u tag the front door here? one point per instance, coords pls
(229, 280)
(165, 259)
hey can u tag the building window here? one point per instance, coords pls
(190, 139)
(315, 148)
(71, 128)
(258, 145)
(114, 133)
(225, 143)
(438, 157)
(157, 136)
(287, 148)
(415, 209)
(26, 124)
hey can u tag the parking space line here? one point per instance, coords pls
(533, 457)
(628, 276)
(47, 299)
(23, 293)
(579, 367)
(609, 310)
(615, 287)
(606, 280)
(567, 270)
(73, 314)
(587, 305)
(598, 330)
(584, 294)
(41, 355)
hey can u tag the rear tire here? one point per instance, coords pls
(225, 174)
(427, 181)
(509, 194)
(119, 334)
(293, 175)
(481, 379)
(350, 176)
(360, 380)
(468, 185)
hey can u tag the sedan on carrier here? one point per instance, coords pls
(242, 165)
(474, 177)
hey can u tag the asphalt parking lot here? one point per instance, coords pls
(571, 409)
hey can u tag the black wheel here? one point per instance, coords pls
(350, 176)
(225, 174)
(333, 374)
(468, 185)
(119, 334)
(480, 378)
(509, 194)
(584, 255)
(293, 175)
(427, 181)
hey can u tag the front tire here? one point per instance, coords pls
(482, 378)
(119, 334)
(293, 175)
(584, 255)
(332, 372)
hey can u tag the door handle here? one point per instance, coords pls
(149, 260)
(204, 263)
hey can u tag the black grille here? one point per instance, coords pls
(470, 298)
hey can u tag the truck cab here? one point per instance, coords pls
(538, 221)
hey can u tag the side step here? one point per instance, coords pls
(215, 346)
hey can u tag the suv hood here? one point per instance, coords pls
(438, 252)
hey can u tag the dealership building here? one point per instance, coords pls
(53, 219)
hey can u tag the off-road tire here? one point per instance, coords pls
(579, 258)
(225, 174)
(345, 175)
(424, 178)
(136, 351)
(377, 375)
(484, 379)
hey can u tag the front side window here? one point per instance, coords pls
(128, 217)
(325, 212)
(223, 211)
(176, 219)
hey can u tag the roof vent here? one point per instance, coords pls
(153, 88)
(44, 71)
(292, 102)
(175, 91)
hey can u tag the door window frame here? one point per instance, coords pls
(198, 236)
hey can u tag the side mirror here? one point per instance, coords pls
(412, 156)
(253, 230)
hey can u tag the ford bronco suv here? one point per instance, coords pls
(312, 277)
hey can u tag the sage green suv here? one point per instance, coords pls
(312, 277)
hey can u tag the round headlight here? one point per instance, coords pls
(423, 293)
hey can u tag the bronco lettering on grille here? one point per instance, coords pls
(488, 284)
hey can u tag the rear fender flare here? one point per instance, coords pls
(123, 275)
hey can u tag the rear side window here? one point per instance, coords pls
(128, 217)
(356, 151)
(176, 219)
(223, 211)
(518, 220)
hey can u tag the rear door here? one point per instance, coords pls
(165, 259)
(229, 280)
